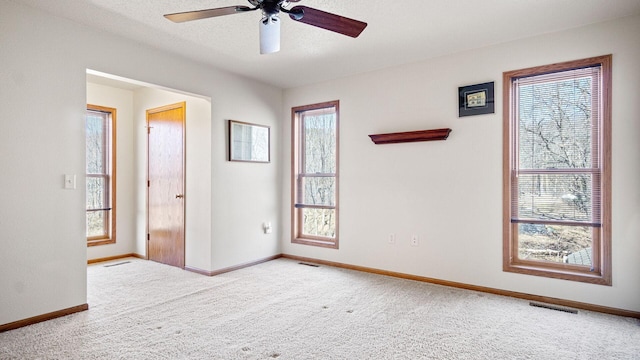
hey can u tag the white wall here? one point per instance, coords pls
(244, 194)
(43, 96)
(450, 192)
(122, 101)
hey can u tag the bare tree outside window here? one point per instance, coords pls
(318, 179)
(555, 144)
(557, 172)
(315, 176)
(100, 168)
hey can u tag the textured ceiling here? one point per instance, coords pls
(399, 32)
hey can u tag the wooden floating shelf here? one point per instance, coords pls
(411, 136)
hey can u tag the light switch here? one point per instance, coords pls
(69, 181)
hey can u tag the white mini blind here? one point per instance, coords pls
(316, 180)
(556, 168)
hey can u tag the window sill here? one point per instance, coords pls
(100, 242)
(328, 243)
(557, 273)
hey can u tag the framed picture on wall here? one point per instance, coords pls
(249, 142)
(476, 99)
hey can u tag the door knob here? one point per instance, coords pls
(179, 196)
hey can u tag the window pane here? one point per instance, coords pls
(557, 170)
(555, 243)
(555, 124)
(319, 222)
(320, 144)
(315, 174)
(317, 191)
(100, 125)
(555, 197)
(96, 194)
(96, 224)
(96, 143)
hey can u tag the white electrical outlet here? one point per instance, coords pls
(392, 239)
(266, 226)
(415, 241)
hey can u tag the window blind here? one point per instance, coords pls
(556, 172)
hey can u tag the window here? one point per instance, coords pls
(100, 177)
(315, 174)
(557, 170)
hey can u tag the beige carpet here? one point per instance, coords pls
(284, 310)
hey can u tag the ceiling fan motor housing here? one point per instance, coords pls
(271, 7)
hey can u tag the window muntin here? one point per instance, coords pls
(100, 175)
(315, 174)
(557, 141)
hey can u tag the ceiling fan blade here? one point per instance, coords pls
(203, 14)
(328, 21)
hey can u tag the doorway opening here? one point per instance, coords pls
(132, 99)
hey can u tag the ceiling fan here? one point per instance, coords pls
(270, 22)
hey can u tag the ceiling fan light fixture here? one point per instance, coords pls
(269, 34)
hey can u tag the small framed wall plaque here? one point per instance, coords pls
(476, 99)
(249, 142)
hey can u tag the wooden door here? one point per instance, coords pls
(165, 185)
